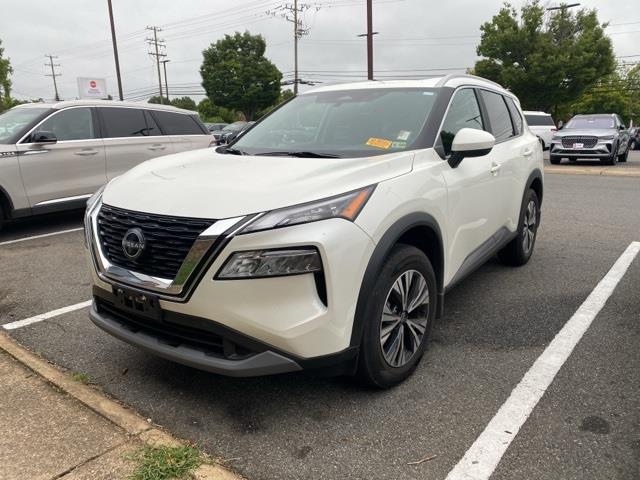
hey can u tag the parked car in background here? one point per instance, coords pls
(542, 125)
(215, 129)
(602, 137)
(232, 130)
(326, 236)
(54, 156)
(634, 138)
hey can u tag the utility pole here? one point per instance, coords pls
(370, 33)
(115, 50)
(157, 44)
(166, 84)
(53, 74)
(292, 13)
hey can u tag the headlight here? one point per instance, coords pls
(346, 206)
(608, 137)
(271, 263)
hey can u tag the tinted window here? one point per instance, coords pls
(152, 126)
(464, 112)
(501, 126)
(177, 123)
(70, 124)
(123, 122)
(539, 120)
(515, 116)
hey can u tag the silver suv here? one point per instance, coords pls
(602, 136)
(55, 156)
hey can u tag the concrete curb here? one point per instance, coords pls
(595, 170)
(125, 418)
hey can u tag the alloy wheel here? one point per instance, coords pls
(529, 226)
(404, 318)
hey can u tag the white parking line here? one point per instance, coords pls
(45, 316)
(35, 237)
(483, 456)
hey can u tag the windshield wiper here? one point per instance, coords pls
(232, 151)
(299, 154)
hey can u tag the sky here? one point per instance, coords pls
(416, 38)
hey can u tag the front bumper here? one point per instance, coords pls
(602, 149)
(302, 319)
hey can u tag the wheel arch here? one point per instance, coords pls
(535, 183)
(420, 230)
(6, 205)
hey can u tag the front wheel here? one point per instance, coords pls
(623, 158)
(518, 251)
(554, 159)
(398, 318)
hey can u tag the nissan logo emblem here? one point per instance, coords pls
(133, 243)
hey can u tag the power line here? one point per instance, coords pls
(53, 74)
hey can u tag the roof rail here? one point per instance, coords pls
(451, 76)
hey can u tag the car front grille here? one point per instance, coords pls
(587, 142)
(168, 239)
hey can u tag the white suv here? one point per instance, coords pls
(55, 156)
(326, 236)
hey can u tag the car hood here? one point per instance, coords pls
(593, 132)
(206, 184)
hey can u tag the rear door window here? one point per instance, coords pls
(123, 122)
(177, 123)
(499, 118)
(516, 118)
(539, 120)
(152, 127)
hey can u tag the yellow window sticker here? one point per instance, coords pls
(379, 142)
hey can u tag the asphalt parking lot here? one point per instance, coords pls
(496, 324)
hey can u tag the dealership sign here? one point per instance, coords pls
(89, 87)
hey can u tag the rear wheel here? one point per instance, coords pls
(1, 217)
(519, 250)
(554, 159)
(398, 318)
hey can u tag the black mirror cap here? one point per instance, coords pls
(621, 127)
(43, 137)
(457, 157)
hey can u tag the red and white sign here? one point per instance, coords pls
(92, 87)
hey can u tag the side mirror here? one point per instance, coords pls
(470, 142)
(621, 127)
(560, 125)
(43, 137)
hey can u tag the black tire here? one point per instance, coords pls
(555, 159)
(518, 251)
(373, 367)
(611, 159)
(623, 158)
(1, 217)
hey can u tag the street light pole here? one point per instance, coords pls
(563, 6)
(166, 85)
(115, 50)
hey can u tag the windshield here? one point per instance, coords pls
(14, 120)
(591, 122)
(346, 123)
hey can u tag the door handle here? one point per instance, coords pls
(528, 152)
(495, 168)
(157, 147)
(86, 151)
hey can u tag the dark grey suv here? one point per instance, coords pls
(603, 137)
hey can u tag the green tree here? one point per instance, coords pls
(184, 102)
(159, 99)
(548, 59)
(211, 113)
(615, 93)
(5, 82)
(236, 74)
